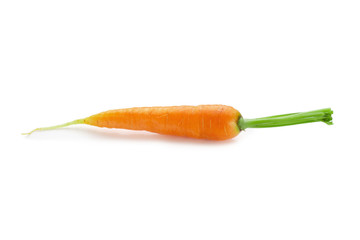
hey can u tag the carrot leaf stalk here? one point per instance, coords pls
(321, 115)
(78, 121)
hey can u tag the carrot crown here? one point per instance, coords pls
(321, 115)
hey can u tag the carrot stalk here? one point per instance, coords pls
(321, 115)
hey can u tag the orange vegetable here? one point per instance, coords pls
(213, 122)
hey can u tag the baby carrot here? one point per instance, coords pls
(213, 122)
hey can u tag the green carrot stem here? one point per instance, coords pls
(321, 115)
(79, 121)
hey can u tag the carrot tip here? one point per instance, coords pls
(30, 132)
(79, 121)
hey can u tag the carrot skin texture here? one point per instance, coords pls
(213, 122)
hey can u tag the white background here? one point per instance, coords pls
(63, 60)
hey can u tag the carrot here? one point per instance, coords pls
(213, 122)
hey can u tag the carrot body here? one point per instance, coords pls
(215, 122)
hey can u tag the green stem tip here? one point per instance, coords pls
(321, 115)
(78, 121)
